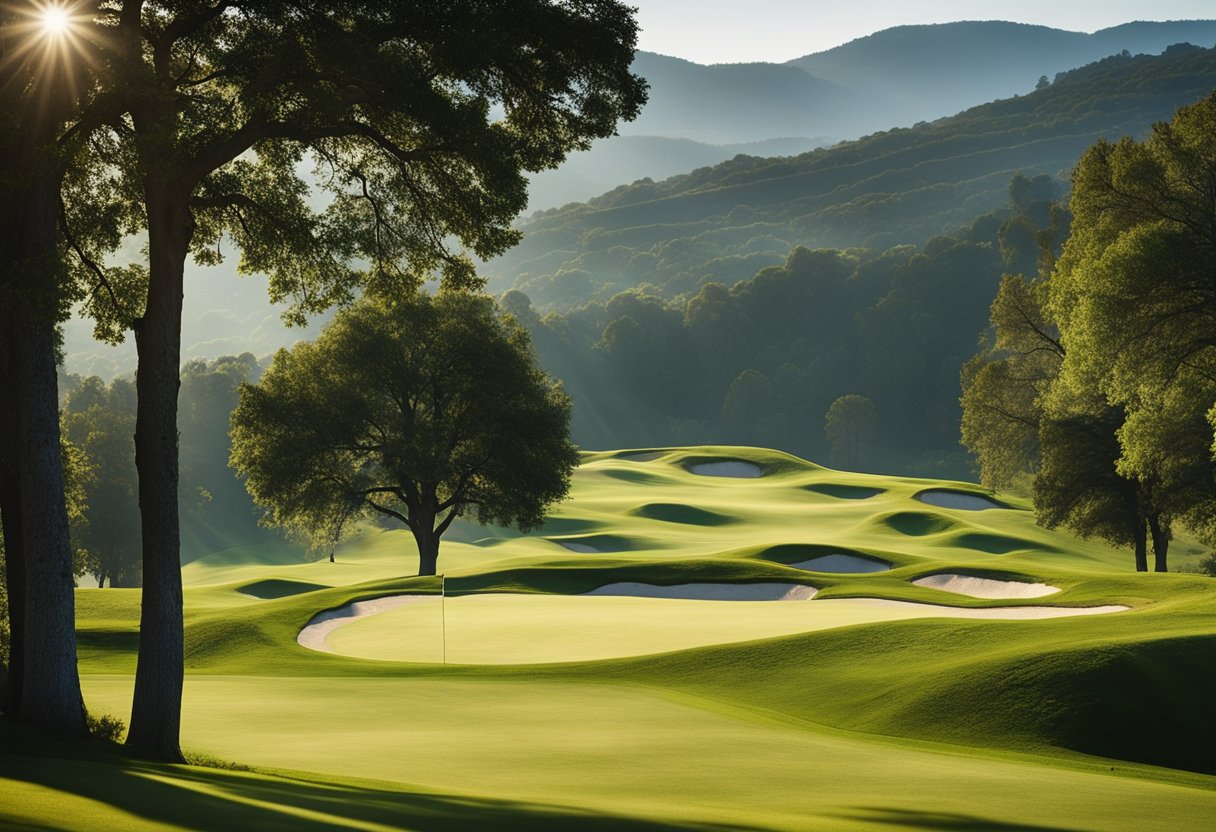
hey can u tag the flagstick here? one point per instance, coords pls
(443, 617)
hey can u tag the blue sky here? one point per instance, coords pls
(730, 31)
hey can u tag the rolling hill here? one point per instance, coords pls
(895, 187)
(939, 662)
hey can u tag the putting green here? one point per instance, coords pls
(621, 749)
(536, 629)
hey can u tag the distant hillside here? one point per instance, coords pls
(629, 158)
(732, 103)
(723, 223)
(939, 69)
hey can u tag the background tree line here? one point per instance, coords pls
(761, 361)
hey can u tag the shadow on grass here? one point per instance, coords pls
(202, 798)
(943, 821)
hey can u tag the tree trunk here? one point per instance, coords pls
(10, 520)
(50, 685)
(428, 544)
(1160, 532)
(156, 709)
(1141, 548)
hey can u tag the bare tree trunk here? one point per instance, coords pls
(10, 520)
(50, 684)
(156, 709)
(1160, 532)
(428, 542)
(1141, 547)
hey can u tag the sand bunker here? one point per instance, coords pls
(323, 623)
(727, 468)
(711, 592)
(944, 498)
(844, 564)
(985, 587)
(919, 610)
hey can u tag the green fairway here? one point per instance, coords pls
(878, 704)
(623, 749)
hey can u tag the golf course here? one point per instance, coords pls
(699, 638)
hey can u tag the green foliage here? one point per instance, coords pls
(105, 727)
(100, 422)
(418, 121)
(849, 426)
(1134, 298)
(420, 409)
(892, 326)
(1020, 420)
(216, 510)
(1208, 565)
(1004, 385)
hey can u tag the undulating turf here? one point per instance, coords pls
(561, 711)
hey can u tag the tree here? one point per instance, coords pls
(421, 119)
(100, 421)
(747, 406)
(1137, 306)
(420, 409)
(849, 427)
(77, 472)
(1020, 420)
(46, 83)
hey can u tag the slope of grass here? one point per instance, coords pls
(554, 708)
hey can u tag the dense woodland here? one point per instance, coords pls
(760, 361)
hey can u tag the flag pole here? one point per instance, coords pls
(443, 616)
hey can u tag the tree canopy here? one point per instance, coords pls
(420, 409)
(1134, 296)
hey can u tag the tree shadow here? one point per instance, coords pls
(942, 821)
(207, 798)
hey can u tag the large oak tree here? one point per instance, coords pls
(419, 409)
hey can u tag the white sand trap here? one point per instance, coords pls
(314, 634)
(728, 468)
(954, 499)
(642, 456)
(915, 609)
(844, 564)
(710, 592)
(985, 587)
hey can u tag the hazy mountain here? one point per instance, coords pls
(625, 159)
(901, 186)
(930, 71)
(731, 103)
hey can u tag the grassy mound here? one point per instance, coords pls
(277, 588)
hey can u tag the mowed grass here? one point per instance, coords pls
(536, 629)
(642, 752)
(565, 711)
